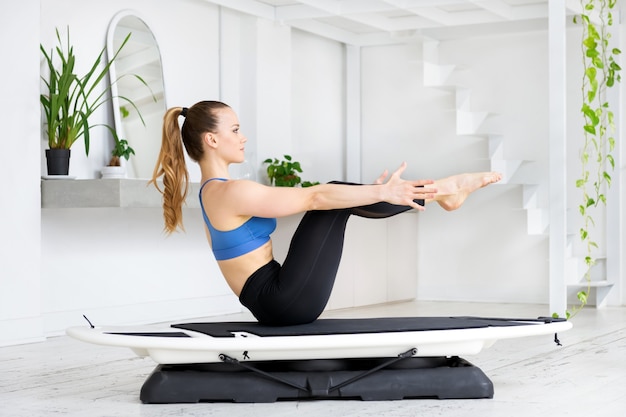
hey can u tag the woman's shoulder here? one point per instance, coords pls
(235, 189)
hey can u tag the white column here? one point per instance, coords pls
(20, 258)
(353, 113)
(615, 226)
(558, 200)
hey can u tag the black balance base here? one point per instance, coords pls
(364, 379)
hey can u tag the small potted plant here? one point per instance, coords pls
(71, 99)
(285, 173)
(114, 168)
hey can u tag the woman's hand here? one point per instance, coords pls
(403, 192)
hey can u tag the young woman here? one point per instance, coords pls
(240, 215)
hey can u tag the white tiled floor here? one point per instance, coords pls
(531, 376)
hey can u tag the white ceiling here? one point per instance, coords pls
(368, 22)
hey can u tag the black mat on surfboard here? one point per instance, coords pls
(408, 378)
(355, 326)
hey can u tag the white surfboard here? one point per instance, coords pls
(323, 339)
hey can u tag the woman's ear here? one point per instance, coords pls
(210, 139)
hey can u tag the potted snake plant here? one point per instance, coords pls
(69, 100)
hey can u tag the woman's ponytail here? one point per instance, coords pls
(171, 166)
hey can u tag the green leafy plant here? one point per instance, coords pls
(71, 99)
(600, 72)
(120, 150)
(285, 172)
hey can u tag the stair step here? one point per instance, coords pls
(598, 292)
(468, 122)
(537, 221)
(592, 284)
(531, 196)
(576, 268)
(506, 167)
(437, 75)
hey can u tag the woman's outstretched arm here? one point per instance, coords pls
(247, 198)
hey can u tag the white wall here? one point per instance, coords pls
(20, 257)
(318, 106)
(123, 269)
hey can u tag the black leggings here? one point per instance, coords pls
(297, 291)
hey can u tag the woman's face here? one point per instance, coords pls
(229, 138)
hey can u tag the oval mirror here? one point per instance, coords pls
(140, 57)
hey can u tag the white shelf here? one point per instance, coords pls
(99, 193)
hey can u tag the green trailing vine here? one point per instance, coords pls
(600, 72)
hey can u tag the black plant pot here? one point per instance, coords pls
(58, 161)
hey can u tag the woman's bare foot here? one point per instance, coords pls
(452, 191)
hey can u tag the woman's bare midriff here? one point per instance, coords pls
(238, 270)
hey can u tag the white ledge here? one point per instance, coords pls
(120, 193)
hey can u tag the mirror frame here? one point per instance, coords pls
(113, 76)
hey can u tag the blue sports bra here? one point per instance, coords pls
(229, 244)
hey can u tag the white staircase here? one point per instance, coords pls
(469, 123)
(534, 182)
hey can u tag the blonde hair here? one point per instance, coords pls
(199, 119)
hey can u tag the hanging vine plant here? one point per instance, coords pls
(600, 72)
